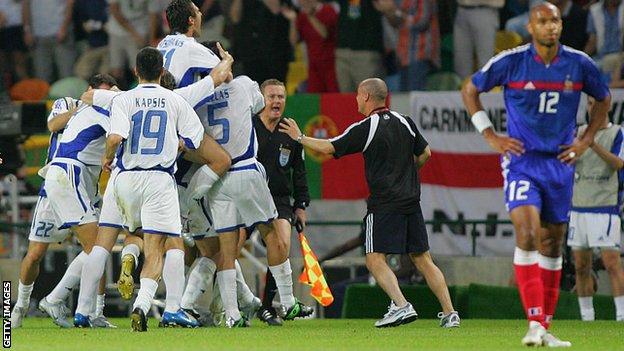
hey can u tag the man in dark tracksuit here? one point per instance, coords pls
(283, 160)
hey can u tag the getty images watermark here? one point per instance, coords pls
(6, 314)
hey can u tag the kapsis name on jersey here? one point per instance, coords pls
(150, 102)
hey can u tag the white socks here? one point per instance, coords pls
(131, 249)
(201, 182)
(227, 286)
(23, 295)
(198, 281)
(99, 305)
(145, 295)
(283, 279)
(173, 276)
(70, 279)
(619, 308)
(244, 294)
(92, 271)
(587, 308)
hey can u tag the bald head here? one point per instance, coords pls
(376, 87)
(540, 10)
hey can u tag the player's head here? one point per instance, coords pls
(545, 24)
(212, 45)
(167, 80)
(184, 17)
(149, 64)
(274, 92)
(371, 93)
(101, 81)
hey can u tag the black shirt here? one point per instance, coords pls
(573, 20)
(283, 161)
(389, 142)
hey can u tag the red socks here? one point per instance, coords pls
(530, 286)
(550, 269)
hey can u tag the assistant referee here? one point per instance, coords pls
(393, 151)
(284, 163)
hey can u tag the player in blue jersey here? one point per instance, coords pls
(542, 84)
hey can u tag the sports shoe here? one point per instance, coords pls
(450, 320)
(397, 316)
(125, 284)
(269, 316)
(178, 319)
(249, 311)
(17, 316)
(298, 310)
(102, 322)
(82, 321)
(236, 323)
(534, 335)
(138, 321)
(56, 311)
(550, 340)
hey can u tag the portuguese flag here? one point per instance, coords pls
(326, 116)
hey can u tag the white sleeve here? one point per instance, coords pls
(198, 93)
(119, 119)
(62, 105)
(189, 127)
(256, 97)
(102, 98)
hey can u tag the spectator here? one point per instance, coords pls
(418, 48)
(360, 44)
(48, 30)
(605, 29)
(91, 14)
(12, 45)
(617, 76)
(261, 38)
(474, 32)
(518, 24)
(316, 25)
(132, 24)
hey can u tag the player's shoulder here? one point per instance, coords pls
(244, 80)
(576, 54)
(508, 56)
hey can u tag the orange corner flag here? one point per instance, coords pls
(312, 274)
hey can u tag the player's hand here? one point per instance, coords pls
(301, 217)
(572, 152)
(107, 164)
(503, 144)
(290, 127)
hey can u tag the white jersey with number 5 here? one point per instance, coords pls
(227, 117)
(151, 119)
(186, 59)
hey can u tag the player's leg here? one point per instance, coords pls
(29, 270)
(226, 277)
(248, 303)
(550, 263)
(584, 282)
(153, 249)
(201, 276)
(613, 264)
(87, 235)
(133, 245)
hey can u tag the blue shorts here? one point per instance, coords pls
(540, 180)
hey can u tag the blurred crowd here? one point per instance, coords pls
(344, 41)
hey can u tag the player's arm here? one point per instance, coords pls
(61, 114)
(119, 130)
(112, 144)
(423, 158)
(610, 158)
(290, 127)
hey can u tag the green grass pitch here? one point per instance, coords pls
(345, 334)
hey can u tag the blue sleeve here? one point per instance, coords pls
(493, 74)
(591, 28)
(594, 84)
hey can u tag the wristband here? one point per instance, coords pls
(481, 121)
(300, 137)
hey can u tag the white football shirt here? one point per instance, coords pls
(186, 59)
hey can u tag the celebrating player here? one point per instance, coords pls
(543, 82)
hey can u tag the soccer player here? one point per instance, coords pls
(284, 162)
(595, 216)
(111, 222)
(542, 84)
(393, 151)
(44, 230)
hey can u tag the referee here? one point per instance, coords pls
(393, 151)
(283, 161)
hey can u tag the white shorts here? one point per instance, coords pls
(241, 199)
(590, 230)
(148, 200)
(72, 192)
(110, 215)
(199, 221)
(43, 228)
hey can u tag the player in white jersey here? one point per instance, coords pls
(44, 230)
(241, 198)
(149, 119)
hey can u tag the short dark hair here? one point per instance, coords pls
(167, 80)
(178, 13)
(149, 63)
(270, 82)
(101, 78)
(212, 45)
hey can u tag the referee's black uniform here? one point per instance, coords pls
(389, 141)
(283, 161)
